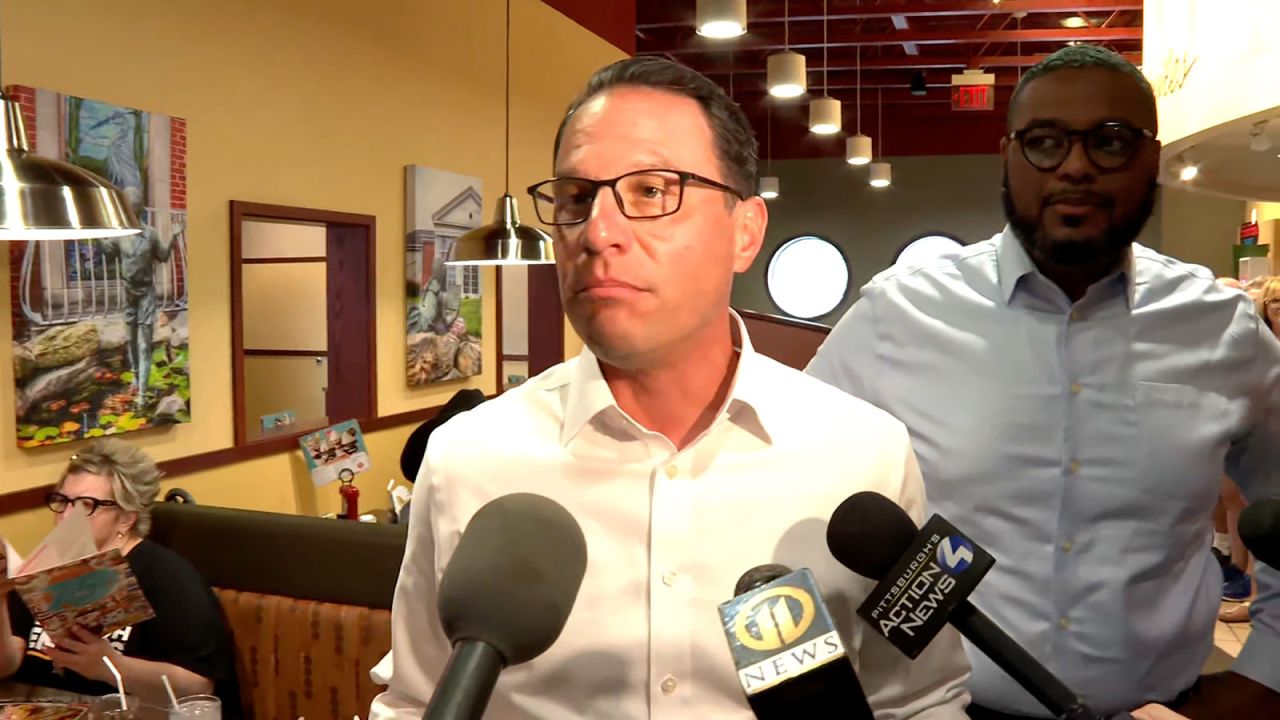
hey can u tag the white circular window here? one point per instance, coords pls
(807, 277)
(924, 250)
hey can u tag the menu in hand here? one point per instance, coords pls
(67, 581)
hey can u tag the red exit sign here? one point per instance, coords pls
(973, 97)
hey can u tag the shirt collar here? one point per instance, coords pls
(589, 394)
(1013, 264)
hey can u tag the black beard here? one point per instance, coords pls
(1107, 250)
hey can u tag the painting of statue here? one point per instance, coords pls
(443, 303)
(100, 326)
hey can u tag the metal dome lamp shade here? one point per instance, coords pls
(505, 241)
(46, 199)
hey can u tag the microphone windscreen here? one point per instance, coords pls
(759, 575)
(514, 576)
(869, 533)
(1259, 527)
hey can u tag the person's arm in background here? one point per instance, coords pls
(1252, 687)
(419, 649)
(847, 357)
(13, 646)
(933, 686)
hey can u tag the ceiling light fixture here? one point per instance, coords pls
(857, 149)
(721, 18)
(786, 70)
(880, 173)
(505, 241)
(824, 112)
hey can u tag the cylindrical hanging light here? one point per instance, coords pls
(505, 241)
(824, 116)
(721, 18)
(769, 185)
(880, 175)
(786, 74)
(824, 112)
(786, 77)
(857, 149)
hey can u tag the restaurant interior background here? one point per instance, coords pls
(322, 104)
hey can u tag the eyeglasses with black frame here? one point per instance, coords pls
(58, 502)
(641, 195)
(1109, 146)
(1272, 305)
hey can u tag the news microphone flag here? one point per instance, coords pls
(912, 604)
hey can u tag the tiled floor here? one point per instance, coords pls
(1229, 637)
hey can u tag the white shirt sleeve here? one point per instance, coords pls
(419, 649)
(846, 358)
(933, 686)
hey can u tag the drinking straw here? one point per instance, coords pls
(124, 704)
(169, 689)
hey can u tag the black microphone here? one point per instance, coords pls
(791, 662)
(505, 596)
(1259, 527)
(924, 579)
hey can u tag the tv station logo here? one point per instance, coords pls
(910, 606)
(779, 631)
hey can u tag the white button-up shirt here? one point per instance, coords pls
(668, 534)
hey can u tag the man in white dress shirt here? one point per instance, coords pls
(686, 457)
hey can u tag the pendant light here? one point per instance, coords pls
(880, 173)
(46, 199)
(721, 18)
(857, 149)
(786, 75)
(824, 112)
(505, 241)
(769, 185)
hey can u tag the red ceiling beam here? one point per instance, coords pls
(813, 40)
(914, 63)
(917, 8)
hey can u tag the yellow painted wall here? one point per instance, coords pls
(316, 103)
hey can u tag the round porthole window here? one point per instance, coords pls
(927, 248)
(807, 277)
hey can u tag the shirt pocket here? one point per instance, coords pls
(1183, 436)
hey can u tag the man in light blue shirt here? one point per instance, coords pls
(1073, 399)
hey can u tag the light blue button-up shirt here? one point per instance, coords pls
(1082, 444)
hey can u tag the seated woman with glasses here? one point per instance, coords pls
(116, 485)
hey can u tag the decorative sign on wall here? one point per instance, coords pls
(100, 341)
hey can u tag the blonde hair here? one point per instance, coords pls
(1270, 291)
(135, 479)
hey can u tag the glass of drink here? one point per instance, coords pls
(198, 707)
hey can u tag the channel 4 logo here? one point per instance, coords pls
(954, 554)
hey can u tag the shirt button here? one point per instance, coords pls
(1066, 546)
(1076, 388)
(669, 578)
(1074, 467)
(672, 471)
(668, 685)
(1075, 314)
(1064, 623)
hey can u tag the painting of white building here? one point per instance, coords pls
(443, 304)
